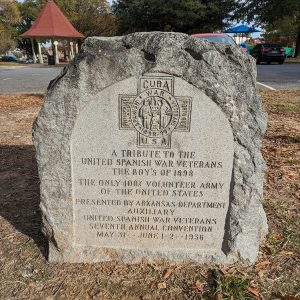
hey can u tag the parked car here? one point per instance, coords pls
(9, 58)
(28, 61)
(220, 38)
(267, 53)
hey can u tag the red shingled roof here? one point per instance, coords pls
(51, 22)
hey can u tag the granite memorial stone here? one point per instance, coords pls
(148, 146)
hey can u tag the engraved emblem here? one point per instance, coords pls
(155, 112)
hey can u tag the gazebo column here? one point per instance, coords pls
(56, 52)
(33, 52)
(71, 50)
(68, 51)
(40, 53)
(76, 47)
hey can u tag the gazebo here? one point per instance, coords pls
(52, 24)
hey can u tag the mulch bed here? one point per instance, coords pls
(26, 274)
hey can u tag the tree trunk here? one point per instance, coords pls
(297, 49)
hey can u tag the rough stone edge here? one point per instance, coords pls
(221, 72)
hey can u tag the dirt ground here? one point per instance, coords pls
(26, 274)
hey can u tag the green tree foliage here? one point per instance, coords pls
(282, 29)
(278, 16)
(9, 16)
(28, 10)
(89, 17)
(189, 16)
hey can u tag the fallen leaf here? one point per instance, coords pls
(161, 285)
(254, 292)
(278, 237)
(222, 270)
(268, 248)
(262, 264)
(167, 273)
(199, 286)
(288, 297)
(218, 296)
(261, 274)
(231, 270)
(286, 253)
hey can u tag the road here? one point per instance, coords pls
(279, 76)
(35, 79)
(26, 79)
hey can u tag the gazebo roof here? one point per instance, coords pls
(51, 22)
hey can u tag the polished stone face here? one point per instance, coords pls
(148, 147)
(151, 167)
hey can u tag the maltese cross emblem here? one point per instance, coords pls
(155, 112)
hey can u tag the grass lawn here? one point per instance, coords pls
(10, 64)
(26, 274)
(292, 60)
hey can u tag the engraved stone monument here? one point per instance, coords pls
(148, 146)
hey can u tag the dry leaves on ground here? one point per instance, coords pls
(25, 273)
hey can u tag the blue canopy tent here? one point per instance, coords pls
(240, 29)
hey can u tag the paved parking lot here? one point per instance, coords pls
(35, 79)
(26, 79)
(277, 76)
